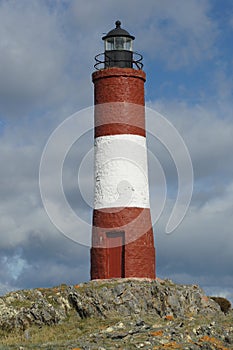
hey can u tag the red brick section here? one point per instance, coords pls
(119, 85)
(139, 252)
(135, 265)
(135, 222)
(119, 109)
(119, 101)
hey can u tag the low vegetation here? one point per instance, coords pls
(224, 304)
(116, 314)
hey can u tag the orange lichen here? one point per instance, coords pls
(157, 333)
(169, 317)
(172, 345)
(216, 342)
(205, 298)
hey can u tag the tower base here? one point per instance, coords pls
(123, 244)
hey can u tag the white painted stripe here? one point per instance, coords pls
(121, 173)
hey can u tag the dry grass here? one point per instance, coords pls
(66, 335)
(52, 337)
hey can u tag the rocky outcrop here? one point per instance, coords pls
(24, 308)
(115, 314)
(191, 333)
(103, 298)
(127, 297)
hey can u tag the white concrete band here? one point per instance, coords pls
(121, 173)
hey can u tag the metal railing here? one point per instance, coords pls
(103, 61)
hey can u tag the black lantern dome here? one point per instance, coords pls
(118, 31)
(118, 46)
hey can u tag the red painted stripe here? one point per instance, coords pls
(119, 118)
(119, 102)
(135, 222)
(118, 129)
(119, 87)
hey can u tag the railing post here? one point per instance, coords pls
(136, 62)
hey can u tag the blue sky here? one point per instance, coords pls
(47, 56)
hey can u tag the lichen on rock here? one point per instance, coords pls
(103, 298)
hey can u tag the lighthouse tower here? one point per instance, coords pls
(122, 235)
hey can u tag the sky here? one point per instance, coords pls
(47, 50)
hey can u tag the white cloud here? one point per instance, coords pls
(48, 48)
(180, 35)
(207, 131)
(200, 250)
(36, 58)
(45, 64)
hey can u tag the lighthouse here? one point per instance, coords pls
(122, 233)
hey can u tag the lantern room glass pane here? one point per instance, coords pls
(128, 44)
(118, 43)
(109, 44)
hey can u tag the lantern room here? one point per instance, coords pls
(118, 45)
(118, 39)
(118, 50)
